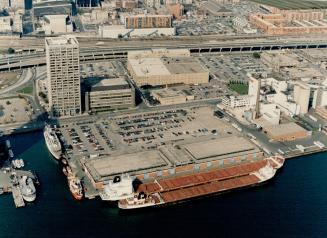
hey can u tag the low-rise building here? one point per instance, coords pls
(110, 94)
(216, 9)
(131, 21)
(60, 7)
(5, 24)
(279, 59)
(299, 22)
(176, 10)
(286, 132)
(55, 24)
(316, 56)
(166, 71)
(270, 113)
(169, 96)
(236, 101)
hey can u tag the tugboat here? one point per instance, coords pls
(140, 200)
(52, 142)
(75, 187)
(27, 189)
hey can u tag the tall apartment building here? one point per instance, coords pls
(64, 92)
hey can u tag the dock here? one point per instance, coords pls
(9, 184)
(18, 197)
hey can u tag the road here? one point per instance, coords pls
(110, 49)
(25, 78)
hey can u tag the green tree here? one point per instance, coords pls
(11, 50)
(256, 55)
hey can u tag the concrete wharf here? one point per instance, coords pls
(18, 197)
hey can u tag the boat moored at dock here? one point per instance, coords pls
(75, 187)
(52, 142)
(120, 187)
(186, 187)
(27, 189)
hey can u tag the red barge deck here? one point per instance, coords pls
(189, 186)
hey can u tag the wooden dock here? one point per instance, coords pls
(18, 197)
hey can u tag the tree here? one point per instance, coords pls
(256, 55)
(11, 50)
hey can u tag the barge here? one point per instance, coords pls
(186, 187)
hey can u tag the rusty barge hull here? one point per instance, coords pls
(199, 185)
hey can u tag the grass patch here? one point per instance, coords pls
(294, 4)
(26, 90)
(240, 88)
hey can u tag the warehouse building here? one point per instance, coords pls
(286, 132)
(167, 71)
(167, 161)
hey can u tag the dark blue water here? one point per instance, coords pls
(294, 204)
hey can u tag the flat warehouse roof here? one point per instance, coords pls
(183, 66)
(284, 129)
(112, 165)
(166, 66)
(219, 147)
(149, 67)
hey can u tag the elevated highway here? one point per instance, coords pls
(112, 50)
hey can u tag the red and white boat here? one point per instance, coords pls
(75, 187)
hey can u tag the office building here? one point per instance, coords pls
(64, 93)
(110, 94)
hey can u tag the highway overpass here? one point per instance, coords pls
(118, 50)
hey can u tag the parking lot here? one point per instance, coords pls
(110, 69)
(87, 139)
(141, 131)
(233, 67)
(210, 24)
(206, 26)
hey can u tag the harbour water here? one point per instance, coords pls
(293, 204)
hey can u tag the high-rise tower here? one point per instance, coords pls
(63, 82)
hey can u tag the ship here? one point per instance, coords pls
(52, 142)
(186, 187)
(67, 171)
(75, 187)
(11, 154)
(8, 144)
(27, 189)
(120, 187)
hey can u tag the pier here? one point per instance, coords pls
(9, 183)
(18, 197)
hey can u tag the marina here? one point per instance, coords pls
(9, 183)
(20, 183)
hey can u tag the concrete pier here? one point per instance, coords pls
(18, 197)
(9, 183)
